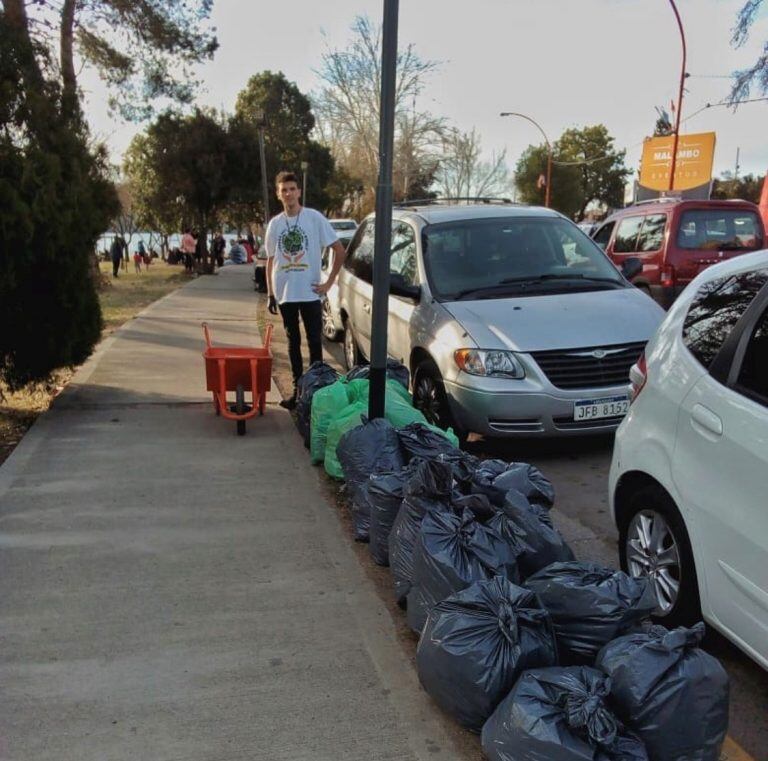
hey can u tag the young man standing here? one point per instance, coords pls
(294, 241)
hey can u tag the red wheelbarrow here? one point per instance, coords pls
(242, 370)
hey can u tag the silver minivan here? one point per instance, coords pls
(511, 320)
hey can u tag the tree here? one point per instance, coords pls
(586, 170)
(289, 123)
(462, 173)
(747, 187)
(193, 168)
(757, 74)
(55, 200)
(347, 107)
(143, 50)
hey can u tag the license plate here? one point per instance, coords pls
(595, 409)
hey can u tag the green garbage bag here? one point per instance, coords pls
(326, 404)
(399, 412)
(358, 390)
(350, 417)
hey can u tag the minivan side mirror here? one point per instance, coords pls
(631, 267)
(399, 286)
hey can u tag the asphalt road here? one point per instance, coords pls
(578, 468)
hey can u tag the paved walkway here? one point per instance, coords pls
(172, 592)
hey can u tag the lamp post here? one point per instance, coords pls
(304, 167)
(549, 150)
(261, 123)
(679, 100)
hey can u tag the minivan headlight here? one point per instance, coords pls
(490, 362)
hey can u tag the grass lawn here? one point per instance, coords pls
(121, 299)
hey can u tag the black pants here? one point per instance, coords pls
(311, 316)
(115, 266)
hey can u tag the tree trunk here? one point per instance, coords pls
(67, 61)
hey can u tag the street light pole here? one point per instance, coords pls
(549, 151)
(304, 167)
(679, 101)
(383, 221)
(261, 123)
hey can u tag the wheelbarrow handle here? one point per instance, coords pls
(268, 336)
(207, 335)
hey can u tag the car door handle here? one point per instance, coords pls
(367, 308)
(706, 419)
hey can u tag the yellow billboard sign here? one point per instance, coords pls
(695, 156)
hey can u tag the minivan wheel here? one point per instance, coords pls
(352, 355)
(653, 543)
(329, 327)
(430, 397)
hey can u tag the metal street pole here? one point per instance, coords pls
(261, 122)
(679, 100)
(549, 150)
(304, 168)
(383, 229)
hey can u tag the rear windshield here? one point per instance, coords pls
(719, 229)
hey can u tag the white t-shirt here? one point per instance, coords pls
(297, 242)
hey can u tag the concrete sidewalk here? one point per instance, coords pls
(172, 592)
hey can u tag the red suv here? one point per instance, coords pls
(675, 240)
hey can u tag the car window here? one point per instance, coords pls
(521, 255)
(652, 233)
(359, 259)
(403, 258)
(715, 309)
(719, 229)
(603, 235)
(753, 376)
(627, 234)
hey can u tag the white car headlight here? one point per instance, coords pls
(489, 362)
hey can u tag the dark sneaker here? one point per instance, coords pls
(289, 403)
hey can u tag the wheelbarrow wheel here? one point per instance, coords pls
(240, 409)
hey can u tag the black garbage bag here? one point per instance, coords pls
(385, 495)
(372, 447)
(451, 552)
(317, 376)
(419, 440)
(590, 605)
(361, 513)
(478, 504)
(463, 466)
(559, 714)
(395, 371)
(543, 543)
(496, 477)
(427, 488)
(477, 642)
(672, 693)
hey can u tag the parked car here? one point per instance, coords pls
(333, 325)
(678, 239)
(511, 320)
(343, 225)
(688, 476)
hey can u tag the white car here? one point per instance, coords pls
(333, 325)
(344, 226)
(689, 476)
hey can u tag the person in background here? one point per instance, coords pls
(188, 244)
(116, 254)
(237, 253)
(294, 241)
(137, 260)
(218, 247)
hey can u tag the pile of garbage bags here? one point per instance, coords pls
(545, 655)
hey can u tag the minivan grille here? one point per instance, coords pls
(590, 367)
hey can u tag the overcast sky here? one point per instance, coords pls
(565, 63)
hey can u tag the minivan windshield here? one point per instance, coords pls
(493, 258)
(719, 229)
